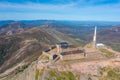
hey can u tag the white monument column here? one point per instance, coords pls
(94, 37)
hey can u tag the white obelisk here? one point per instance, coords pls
(94, 37)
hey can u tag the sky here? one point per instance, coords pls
(95, 10)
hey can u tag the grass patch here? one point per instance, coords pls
(111, 73)
(21, 68)
(89, 46)
(74, 60)
(64, 75)
(45, 57)
(36, 74)
(41, 72)
(89, 78)
(107, 53)
(81, 59)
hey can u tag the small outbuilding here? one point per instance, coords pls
(64, 45)
(100, 45)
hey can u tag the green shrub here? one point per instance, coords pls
(57, 75)
(36, 74)
(111, 73)
(106, 52)
(89, 78)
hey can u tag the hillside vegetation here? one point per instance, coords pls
(22, 48)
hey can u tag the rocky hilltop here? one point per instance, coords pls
(32, 54)
(102, 64)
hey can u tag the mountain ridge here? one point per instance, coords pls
(28, 44)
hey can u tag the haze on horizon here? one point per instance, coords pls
(102, 10)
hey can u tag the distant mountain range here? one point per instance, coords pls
(110, 37)
(63, 22)
(77, 29)
(82, 28)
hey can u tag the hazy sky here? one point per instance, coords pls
(103, 10)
